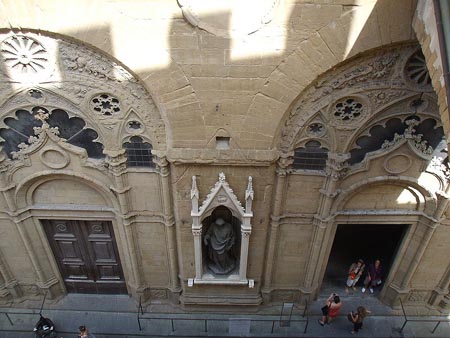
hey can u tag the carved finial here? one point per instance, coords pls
(249, 191)
(194, 190)
(221, 177)
(194, 195)
(41, 115)
(249, 195)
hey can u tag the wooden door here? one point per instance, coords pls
(87, 256)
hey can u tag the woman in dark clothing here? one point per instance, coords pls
(357, 318)
(374, 276)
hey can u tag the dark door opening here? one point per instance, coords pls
(87, 256)
(361, 241)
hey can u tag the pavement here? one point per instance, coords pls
(117, 316)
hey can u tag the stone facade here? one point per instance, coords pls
(318, 114)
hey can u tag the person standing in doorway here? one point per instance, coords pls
(331, 309)
(374, 276)
(354, 273)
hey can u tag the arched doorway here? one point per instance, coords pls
(368, 242)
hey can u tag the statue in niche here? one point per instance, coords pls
(219, 240)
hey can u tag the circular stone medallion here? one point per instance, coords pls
(397, 163)
(54, 158)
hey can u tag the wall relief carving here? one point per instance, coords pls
(372, 77)
(81, 76)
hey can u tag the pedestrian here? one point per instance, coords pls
(374, 276)
(357, 318)
(84, 332)
(331, 309)
(354, 273)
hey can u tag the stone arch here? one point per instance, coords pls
(82, 74)
(426, 200)
(26, 189)
(366, 77)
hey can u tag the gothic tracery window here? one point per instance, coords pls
(139, 153)
(73, 129)
(311, 157)
(427, 130)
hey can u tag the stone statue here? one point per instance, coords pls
(219, 240)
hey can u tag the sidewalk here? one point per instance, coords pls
(116, 316)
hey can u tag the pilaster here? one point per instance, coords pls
(116, 162)
(169, 221)
(283, 166)
(336, 169)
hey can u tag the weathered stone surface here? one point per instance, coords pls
(211, 96)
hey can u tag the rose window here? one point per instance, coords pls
(316, 129)
(417, 72)
(23, 54)
(105, 104)
(348, 110)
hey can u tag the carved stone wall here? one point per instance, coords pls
(260, 89)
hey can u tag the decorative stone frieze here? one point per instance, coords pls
(380, 98)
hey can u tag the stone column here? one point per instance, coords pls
(282, 169)
(117, 167)
(336, 169)
(169, 221)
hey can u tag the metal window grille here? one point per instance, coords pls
(310, 157)
(139, 153)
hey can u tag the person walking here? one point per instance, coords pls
(331, 309)
(84, 332)
(357, 318)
